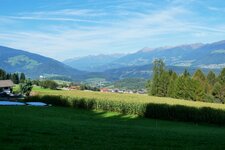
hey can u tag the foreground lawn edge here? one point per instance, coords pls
(148, 110)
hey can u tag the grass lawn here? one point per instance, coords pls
(24, 127)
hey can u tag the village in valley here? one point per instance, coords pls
(107, 90)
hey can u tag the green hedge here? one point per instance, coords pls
(158, 111)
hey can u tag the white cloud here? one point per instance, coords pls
(217, 9)
(64, 12)
(138, 29)
(50, 19)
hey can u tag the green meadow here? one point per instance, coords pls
(94, 120)
(26, 127)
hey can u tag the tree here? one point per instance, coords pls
(219, 87)
(26, 87)
(22, 77)
(2, 74)
(160, 81)
(221, 77)
(199, 76)
(181, 88)
(15, 78)
(188, 88)
(164, 84)
(211, 78)
(219, 91)
(8, 76)
(186, 73)
(172, 85)
(199, 90)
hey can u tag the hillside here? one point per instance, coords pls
(194, 55)
(92, 62)
(116, 67)
(210, 56)
(33, 65)
(143, 71)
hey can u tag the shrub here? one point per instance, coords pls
(49, 84)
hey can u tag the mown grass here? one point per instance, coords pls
(34, 128)
(140, 105)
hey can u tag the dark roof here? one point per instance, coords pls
(6, 83)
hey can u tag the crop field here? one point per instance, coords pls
(129, 98)
(134, 104)
(27, 127)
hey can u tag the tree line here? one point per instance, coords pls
(196, 87)
(15, 77)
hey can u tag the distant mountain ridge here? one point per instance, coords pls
(92, 62)
(211, 56)
(34, 65)
(116, 67)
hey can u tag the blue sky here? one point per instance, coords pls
(64, 29)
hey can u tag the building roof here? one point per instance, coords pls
(6, 83)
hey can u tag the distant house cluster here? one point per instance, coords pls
(106, 90)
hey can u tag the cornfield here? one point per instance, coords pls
(141, 105)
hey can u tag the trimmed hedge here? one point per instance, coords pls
(150, 110)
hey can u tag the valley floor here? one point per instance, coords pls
(27, 127)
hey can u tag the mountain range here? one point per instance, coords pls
(208, 56)
(34, 65)
(92, 63)
(116, 66)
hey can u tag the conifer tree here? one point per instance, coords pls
(186, 73)
(216, 92)
(8, 76)
(172, 85)
(180, 87)
(160, 81)
(199, 91)
(22, 77)
(164, 84)
(211, 78)
(2, 74)
(219, 87)
(199, 76)
(15, 78)
(221, 77)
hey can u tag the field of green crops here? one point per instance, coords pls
(134, 104)
(129, 98)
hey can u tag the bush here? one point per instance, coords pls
(49, 84)
(26, 87)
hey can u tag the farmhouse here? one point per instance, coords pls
(104, 90)
(6, 86)
(74, 88)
